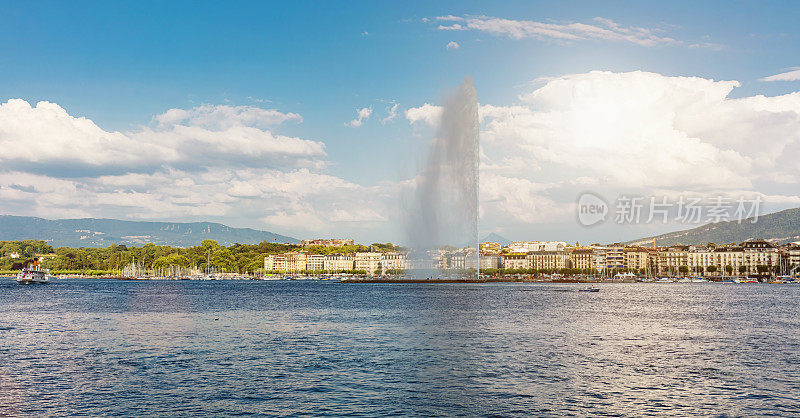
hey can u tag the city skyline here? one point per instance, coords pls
(308, 124)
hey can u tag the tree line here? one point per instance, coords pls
(237, 258)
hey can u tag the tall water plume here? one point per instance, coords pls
(443, 208)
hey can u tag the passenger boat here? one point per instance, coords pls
(34, 274)
(590, 289)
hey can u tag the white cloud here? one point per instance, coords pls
(793, 75)
(632, 133)
(449, 18)
(362, 115)
(453, 45)
(206, 163)
(46, 134)
(295, 201)
(601, 29)
(46, 137)
(221, 117)
(427, 113)
(454, 26)
(391, 114)
(518, 199)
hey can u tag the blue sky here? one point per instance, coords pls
(121, 65)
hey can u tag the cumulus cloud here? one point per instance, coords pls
(453, 45)
(634, 133)
(47, 134)
(45, 137)
(793, 75)
(520, 199)
(599, 29)
(428, 114)
(207, 163)
(362, 115)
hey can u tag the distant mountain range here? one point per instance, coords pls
(104, 232)
(496, 238)
(778, 228)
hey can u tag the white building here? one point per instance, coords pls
(339, 262)
(527, 246)
(516, 261)
(490, 261)
(315, 262)
(794, 257)
(760, 253)
(552, 260)
(393, 261)
(368, 261)
(701, 259)
(286, 263)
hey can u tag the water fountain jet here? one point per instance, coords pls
(443, 208)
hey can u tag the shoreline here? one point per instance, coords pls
(411, 281)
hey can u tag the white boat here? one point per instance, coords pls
(34, 274)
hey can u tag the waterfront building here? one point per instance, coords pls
(269, 263)
(794, 257)
(456, 260)
(315, 262)
(490, 261)
(527, 246)
(598, 258)
(672, 259)
(338, 262)
(581, 258)
(286, 263)
(515, 261)
(295, 262)
(393, 261)
(636, 258)
(729, 259)
(700, 259)
(614, 257)
(368, 261)
(552, 260)
(760, 254)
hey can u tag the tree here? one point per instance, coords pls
(762, 269)
(742, 269)
(711, 269)
(683, 269)
(729, 269)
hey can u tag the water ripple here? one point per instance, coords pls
(94, 347)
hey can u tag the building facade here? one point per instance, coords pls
(516, 261)
(339, 262)
(368, 261)
(490, 261)
(551, 260)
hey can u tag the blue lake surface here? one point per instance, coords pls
(104, 347)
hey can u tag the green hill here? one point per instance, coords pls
(92, 232)
(779, 228)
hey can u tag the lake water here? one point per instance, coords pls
(102, 347)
